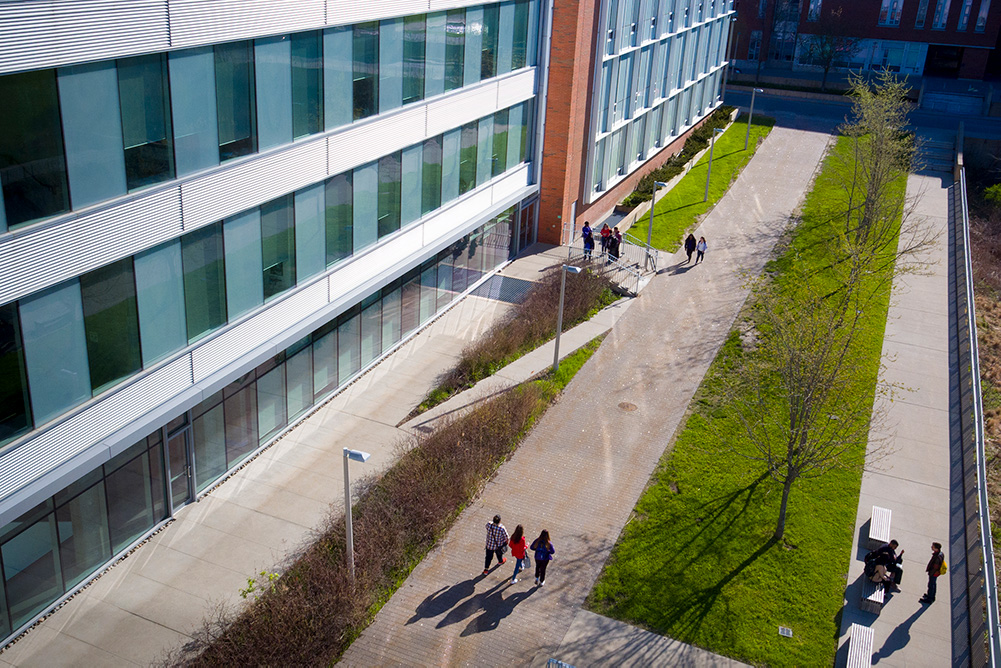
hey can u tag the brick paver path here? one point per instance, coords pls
(582, 469)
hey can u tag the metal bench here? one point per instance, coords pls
(859, 646)
(872, 596)
(879, 527)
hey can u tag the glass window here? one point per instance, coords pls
(451, 142)
(92, 130)
(235, 103)
(964, 13)
(31, 564)
(434, 55)
(278, 245)
(160, 297)
(84, 543)
(299, 374)
(273, 90)
(271, 412)
(130, 489)
(455, 46)
(444, 273)
(390, 64)
(324, 360)
(204, 280)
(985, 8)
(348, 344)
(431, 176)
(32, 162)
(527, 108)
(55, 350)
(209, 431)
(413, 58)
(339, 217)
(371, 328)
(467, 157)
(410, 193)
(240, 412)
(307, 83)
(410, 297)
(515, 127)
(390, 173)
(533, 32)
(192, 102)
(244, 282)
(392, 323)
(15, 409)
(473, 63)
(145, 102)
(505, 37)
(365, 205)
(310, 245)
(491, 27)
(338, 74)
(365, 58)
(429, 290)
(484, 150)
(111, 321)
(919, 20)
(519, 51)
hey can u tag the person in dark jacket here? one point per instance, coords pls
(544, 552)
(933, 569)
(689, 247)
(887, 557)
(588, 238)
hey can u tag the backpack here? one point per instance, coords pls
(870, 563)
(943, 568)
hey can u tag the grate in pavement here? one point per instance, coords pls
(504, 289)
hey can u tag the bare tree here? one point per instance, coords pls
(830, 41)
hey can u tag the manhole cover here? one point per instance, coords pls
(626, 406)
(785, 631)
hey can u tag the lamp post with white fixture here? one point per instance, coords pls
(750, 115)
(559, 316)
(358, 456)
(712, 143)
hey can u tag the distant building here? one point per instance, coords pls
(944, 38)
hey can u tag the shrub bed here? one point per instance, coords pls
(696, 141)
(529, 325)
(310, 614)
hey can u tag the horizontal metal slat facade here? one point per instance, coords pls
(439, 5)
(198, 22)
(342, 12)
(515, 89)
(256, 331)
(509, 184)
(217, 195)
(452, 112)
(359, 145)
(39, 259)
(37, 34)
(23, 465)
(455, 217)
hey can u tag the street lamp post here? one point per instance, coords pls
(362, 457)
(559, 316)
(649, 229)
(750, 115)
(712, 143)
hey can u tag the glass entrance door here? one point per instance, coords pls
(180, 468)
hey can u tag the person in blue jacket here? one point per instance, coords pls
(588, 238)
(544, 552)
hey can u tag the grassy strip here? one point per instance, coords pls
(697, 563)
(679, 209)
(310, 614)
(530, 324)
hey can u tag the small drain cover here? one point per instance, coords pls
(626, 406)
(785, 631)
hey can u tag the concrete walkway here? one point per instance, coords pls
(585, 464)
(914, 481)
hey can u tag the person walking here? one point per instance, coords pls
(588, 238)
(518, 546)
(496, 543)
(689, 247)
(544, 552)
(701, 248)
(605, 235)
(935, 567)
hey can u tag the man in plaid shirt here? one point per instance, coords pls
(496, 543)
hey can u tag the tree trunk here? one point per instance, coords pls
(780, 528)
(823, 82)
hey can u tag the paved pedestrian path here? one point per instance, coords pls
(913, 482)
(585, 464)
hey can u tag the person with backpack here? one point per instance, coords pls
(887, 557)
(588, 238)
(936, 567)
(544, 552)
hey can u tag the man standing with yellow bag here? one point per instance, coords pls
(936, 566)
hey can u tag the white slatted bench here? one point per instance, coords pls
(860, 647)
(872, 596)
(879, 527)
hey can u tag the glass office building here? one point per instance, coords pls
(211, 219)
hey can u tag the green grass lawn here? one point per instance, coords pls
(677, 211)
(697, 562)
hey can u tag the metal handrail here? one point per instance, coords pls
(652, 252)
(990, 576)
(604, 265)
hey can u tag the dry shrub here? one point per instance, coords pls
(530, 324)
(310, 614)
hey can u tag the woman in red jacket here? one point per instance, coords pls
(518, 546)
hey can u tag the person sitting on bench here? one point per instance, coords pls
(887, 557)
